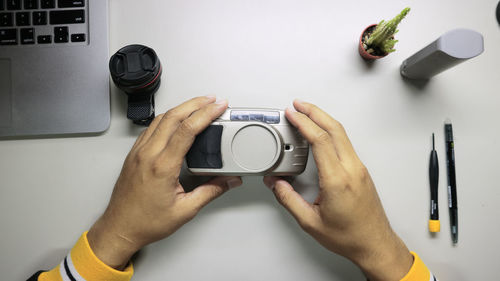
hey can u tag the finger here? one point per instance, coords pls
(324, 152)
(303, 212)
(206, 193)
(184, 136)
(146, 134)
(139, 140)
(340, 139)
(173, 118)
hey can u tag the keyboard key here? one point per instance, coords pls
(8, 36)
(48, 4)
(80, 37)
(67, 16)
(27, 36)
(71, 3)
(30, 4)
(6, 19)
(23, 19)
(39, 18)
(44, 39)
(2, 5)
(61, 34)
(13, 4)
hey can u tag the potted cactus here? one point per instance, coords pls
(377, 40)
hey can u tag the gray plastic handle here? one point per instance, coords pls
(450, 49)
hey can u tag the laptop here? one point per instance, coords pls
(54, 76)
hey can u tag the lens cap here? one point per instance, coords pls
(136, 69)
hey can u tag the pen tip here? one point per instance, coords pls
(447, 121)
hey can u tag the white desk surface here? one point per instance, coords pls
(265, 53)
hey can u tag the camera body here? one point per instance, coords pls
(249, 141)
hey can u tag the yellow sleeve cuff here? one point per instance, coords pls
(418, 271)
(83, 264)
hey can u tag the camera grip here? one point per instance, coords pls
(205, 153)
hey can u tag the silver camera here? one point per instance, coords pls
(249, 141)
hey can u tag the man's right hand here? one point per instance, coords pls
(148, 202)
(347, 217)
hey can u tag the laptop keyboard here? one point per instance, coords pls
(43, 22)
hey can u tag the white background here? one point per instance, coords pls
(265, 54)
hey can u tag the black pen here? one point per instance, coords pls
(452, 184)
(434, 225)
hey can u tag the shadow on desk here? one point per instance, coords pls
(418, 85)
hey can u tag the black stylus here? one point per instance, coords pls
(452, 182)
(434, 225)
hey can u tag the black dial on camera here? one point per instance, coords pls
(137, 70)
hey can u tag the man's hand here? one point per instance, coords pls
(347, 217)
(148, 202)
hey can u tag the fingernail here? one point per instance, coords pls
(211, 97)
(271, 184)
(291, 109)
(299, 101)
(222, 103)
(232, 183)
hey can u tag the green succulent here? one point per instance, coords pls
(383, 36)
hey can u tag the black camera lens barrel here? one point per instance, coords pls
(137, 70)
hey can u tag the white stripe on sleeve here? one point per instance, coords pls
(73, 270)
(62, 271)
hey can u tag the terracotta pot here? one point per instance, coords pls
(362, 50)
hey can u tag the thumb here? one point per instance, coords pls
(303, 212)
(207, 192)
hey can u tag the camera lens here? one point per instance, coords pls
(136, 69)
